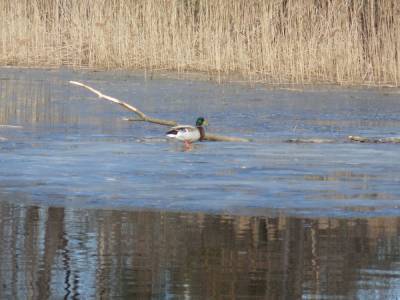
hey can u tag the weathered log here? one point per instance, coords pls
(390, 140)
(145, 118)
(361, 139)
(10, 126)
(223, 138)
(310, 141)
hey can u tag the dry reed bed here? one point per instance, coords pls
(342, 41)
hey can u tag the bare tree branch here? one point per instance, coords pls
(361, 139)
(310, 141)
(143, 117)
(10, 126)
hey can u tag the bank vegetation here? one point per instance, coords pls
(308, 41)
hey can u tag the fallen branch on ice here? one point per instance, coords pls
(10, 126)
(361, 139)
(143, 117)
(310, 141)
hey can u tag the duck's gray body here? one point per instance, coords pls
(189, 133)
(186, 133)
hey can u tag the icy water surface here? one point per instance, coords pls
(93, 206)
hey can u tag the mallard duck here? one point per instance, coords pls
(187, 133)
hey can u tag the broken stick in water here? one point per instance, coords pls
(10, 126)
(361, 139)
(143, 117)
(310, 141)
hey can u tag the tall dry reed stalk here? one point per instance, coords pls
(301, 41)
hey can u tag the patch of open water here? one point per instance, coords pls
(95, 206)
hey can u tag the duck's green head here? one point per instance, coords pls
(201, 122)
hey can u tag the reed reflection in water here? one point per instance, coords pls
(43, 102)
(53, 252)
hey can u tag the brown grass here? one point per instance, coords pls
(300, 41)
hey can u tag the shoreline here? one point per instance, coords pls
(208, 77)
(274, 42)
